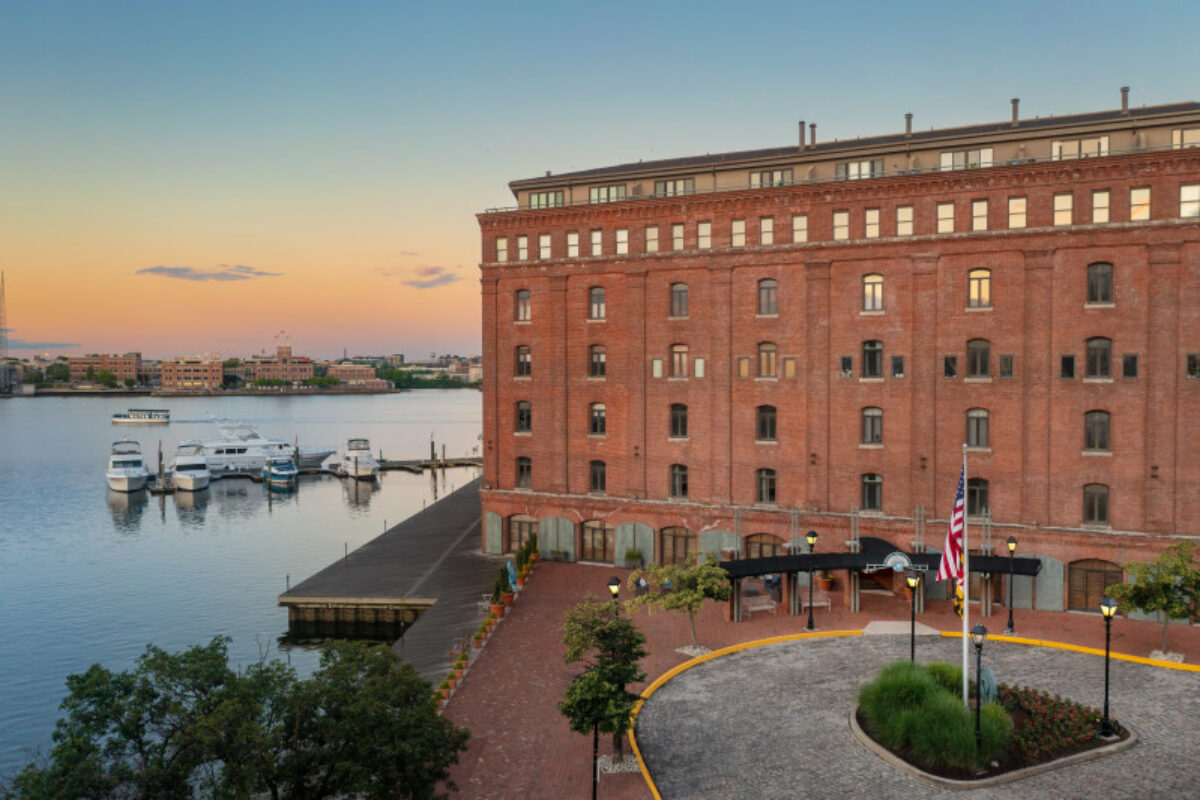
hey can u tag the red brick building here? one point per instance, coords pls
(192, 374)
(123, 367)
(722, 352)
(282, 366)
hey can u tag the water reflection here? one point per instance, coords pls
(310, 635)
(127, 508)
(358, 493)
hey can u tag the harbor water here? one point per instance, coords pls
(92, 576)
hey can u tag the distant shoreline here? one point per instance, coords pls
(231, 393)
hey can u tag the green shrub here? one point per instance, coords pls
(945, 733)
(947, 676)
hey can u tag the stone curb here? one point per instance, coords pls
(996, 780)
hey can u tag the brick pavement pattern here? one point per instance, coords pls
(521, 746)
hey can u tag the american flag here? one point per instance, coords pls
(951, 564)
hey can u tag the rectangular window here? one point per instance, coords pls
(598, 365)
(847, 363)
(606, 194)
(841, 225)
(737, 233)
(622, 241)
(1129, 365)
(651, 238)
(1100, 206)
(656, 367)
(545, 199)
(1185, 137)
(674, 187)
(743, 367)
(698, 367)
(599, 477)
(524, 473)
(799, 228)
(967, 159)
(979, 209)
(1139, 204)
(770, 177)
(522, 248)
(766, 231)
(904, 220)
(871, 223)
(704, 235)
(502, 249)
(1193, 365)
(1087, 147)
(949, 366)
(1066, 369)
(543, 245)
(597, 242)
(1064, 206)
(1006, 366)
(855, 170)
(1016, 212)
(945, 217)
(677, 236)
(789, 368)
(573, 244)
(1189, 200)
(897, 366)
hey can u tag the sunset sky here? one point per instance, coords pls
(202, 177)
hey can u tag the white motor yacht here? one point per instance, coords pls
(357, 461)
(190, 470)
(126, 469)
(241, 448)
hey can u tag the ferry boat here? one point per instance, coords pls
(357, 462)
(126, 470)
(241, 448)
(190, 470)
(280, 474)
(143, 416)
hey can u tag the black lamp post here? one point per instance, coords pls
(1012, 549)
(595, 754)
(812, 542)
(614, 587)
(1108, 607)
(913, 579)
(978, 635)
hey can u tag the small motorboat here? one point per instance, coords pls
(280, 474)
(357, 462)
(190, 471)
(126, 469)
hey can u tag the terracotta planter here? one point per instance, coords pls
(824, 584)
(533, 557)
(458, 673)
(445, 693)
(507, 598)
(521, 579)
(452, 681)
(497, 609)
(478, 642)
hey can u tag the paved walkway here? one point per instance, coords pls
(521, 746)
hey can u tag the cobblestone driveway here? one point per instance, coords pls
(773, 722)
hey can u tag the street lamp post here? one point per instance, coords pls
(812, 542)
(614, 587)
(913, 579)
(978, 635)
(1108, 607)
(595, 755)
(1012, 549)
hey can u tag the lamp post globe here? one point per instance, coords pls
(913, 579)
(811, 537)
(614, 586)
(1012, 549)
(1108, 607)
(978, 635)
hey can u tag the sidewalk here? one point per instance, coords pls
(521, 746)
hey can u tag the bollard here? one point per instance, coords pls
(288, 581)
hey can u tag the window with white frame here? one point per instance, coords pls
(703, 235)
(855, 170)
(871, 223)
(597, 308)
(872, 425)
(945, 217)
(979, 215)
(841, 225)
(768, 297)
(979, 288)
(1189, 200)
(622, 241)
(598, 420)
(522, 248)
(1100, 203)
(766, 485)
(770, 177)
(545, 199)
(1139, 204)
(1064, 207)
(766, 231)
(679, 361)
(677, 236)
(543, 246)
(674, 187)
(597, 242)
(523, 306)
(977, 427)
(967, 159)
(606, 194)
(573, 244)
(1016, 212)
(872, 292)
(1085, 147)
(502, 249)
(737, 233)
(766, 359)
(799, 228)
(904, 220)
(651, 238)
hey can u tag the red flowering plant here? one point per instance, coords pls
(1049, 725)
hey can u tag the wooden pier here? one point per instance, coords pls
(427, 572)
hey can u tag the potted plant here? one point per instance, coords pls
(478, 639)
(506, 592)
(444, 689)
(824, 580)
(533, 548)
(633, 558)
(451, 680)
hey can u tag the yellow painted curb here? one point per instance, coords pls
(1150, 662)
(686, 665)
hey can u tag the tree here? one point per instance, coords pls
(105, 377)
(33, 375)
(230, 363)
(675, 588)
(610, 646)
(58, 372)
(130, 383)
(1169, 585)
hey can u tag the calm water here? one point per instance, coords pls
(91, 576)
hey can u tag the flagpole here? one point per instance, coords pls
(966, 587)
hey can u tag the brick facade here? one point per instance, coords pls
(192, 374)
(124, 367)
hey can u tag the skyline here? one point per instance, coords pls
(197, 178)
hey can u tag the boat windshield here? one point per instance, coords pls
(190, 467)
(358, 444)
(126, 463)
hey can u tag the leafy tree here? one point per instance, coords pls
(269, 382)
(675, 588)
(105, 377)
(1170, 584)
(33, 375)
(230, 363)
(610, 646)
(322, 380)
(58, 372)
(130, 383)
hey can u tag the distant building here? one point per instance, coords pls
(475, 373)
(351, 373)
(195, 373)
(282, 366)
(395, 360)
(124, 367)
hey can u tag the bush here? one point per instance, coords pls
(947, 676)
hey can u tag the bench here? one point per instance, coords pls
(819, 599)
(758, 602)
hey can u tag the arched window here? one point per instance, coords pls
(524, 361)
(978, 358)
(979, 288)
(596, 305)
(768, 296)
(1095, 430)
(872, 492)
(524, 306)
(598, 420)
(872, 293)
(598, 477)
(1087, 582)
(679, 300)
(679, 481)
(679, 421)
(977, 497)
(598, 361)
(598, 541)
(1099, 283)
(520, 528)
(977, 427)
(872, 425)
(1095, 504)
(679, 361)
(766, 360)
(766, 485)
(676, 546)
(763, 545)
(524, 472)
(872, 359)
(1099, 357)
(764, 429)
(524, 420)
